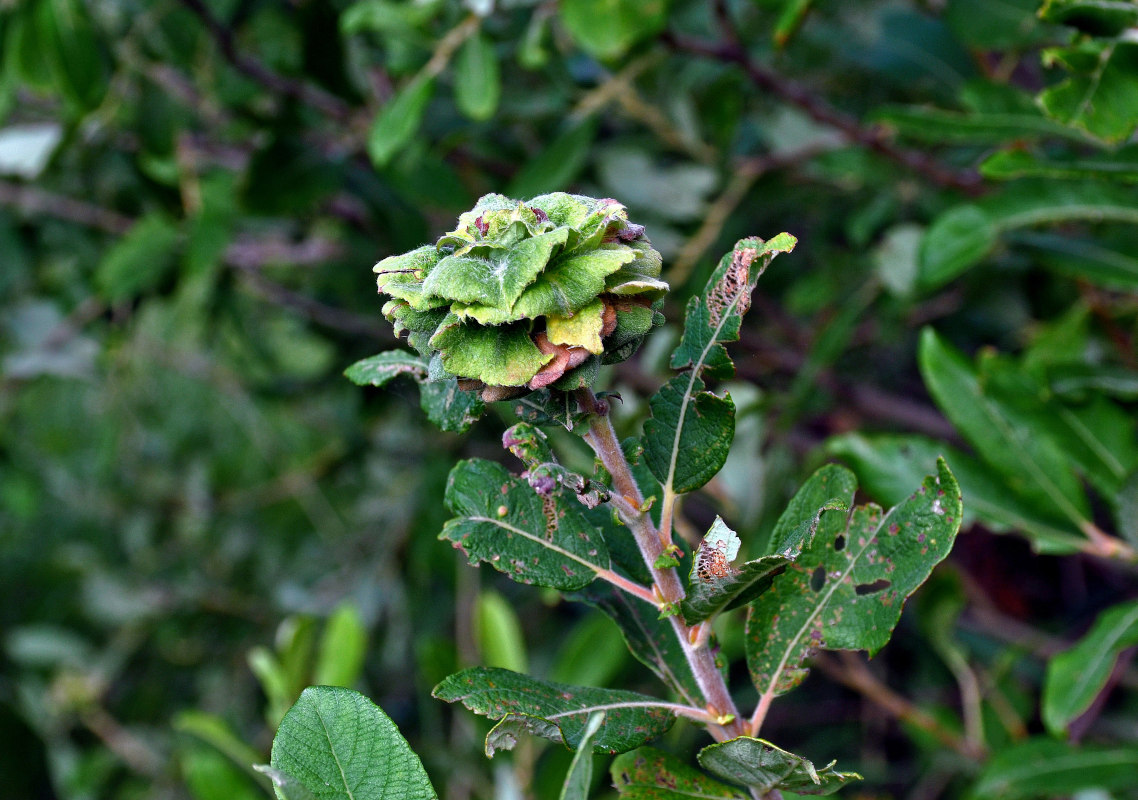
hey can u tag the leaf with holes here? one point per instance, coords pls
(555, 711)
(715, 585)
(846, 589)
(651, 774)
(758, 763)
(714, 317)
(533, 538)
(335, 743)
(689, 434)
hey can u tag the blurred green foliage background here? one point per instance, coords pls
(199, 516)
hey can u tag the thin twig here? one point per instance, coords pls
(874, 137)
(34, 201)
(850, 671)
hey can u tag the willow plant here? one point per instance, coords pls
(523, 303)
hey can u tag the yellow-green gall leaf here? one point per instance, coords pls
(582, 329)
(503, 355)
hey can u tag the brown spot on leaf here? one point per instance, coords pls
(732, 287)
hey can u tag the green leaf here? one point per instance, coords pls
(1076, 676)
(829, 489)
(73, 52)
(1096, 17)
(140, 260)
(935, 125)
(556, 166)
(651, 774)
(449, 408)
(477, 82)
(845, 591)
(1120, 166)
(502, 355)
(607, 28)
(555, 711)
(580, 775)
(715, 586)
(650, 639)
(377, 370)
(1043, 767)
(214, 731)
(715, 316)
(343, 645)
(530, 537)
(688, 437)
(758, 763)
(955, 241)
(337, 744)
(499, 633)
(497, 279)
(1101, 95)
(887, 465)
(1034, 466)
(398, 120)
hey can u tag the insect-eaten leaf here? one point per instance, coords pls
(846, 589)
(651, 774)
(758, 763)
(533, 537)
(554, 711)
(716, 585)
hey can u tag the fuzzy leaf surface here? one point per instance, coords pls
(845, 591)
(758, 763)
(338, 744)
(381, 368)
(1076, 676)
(556, 711)
(709, 593)
(651, 774)
(539, 539)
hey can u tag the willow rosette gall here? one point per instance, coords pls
(527, 294)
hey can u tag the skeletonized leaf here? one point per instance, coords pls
(337, 744)
(845, 591)
(686, 420)
(714, 585)
(533, 538)
(1076, 676)
(758, 763)
(651, 774)
(554, 710)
